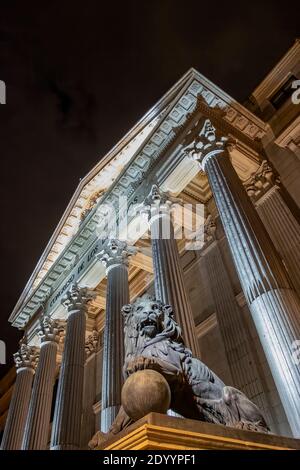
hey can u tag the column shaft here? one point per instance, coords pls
(234, 332)
(113, 349)
(68, 409)
(274, 305)
(18, 409)
(283, 229)
(169, 279)
(38, 420)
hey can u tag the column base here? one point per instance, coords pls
(65, 447)
(108, 416)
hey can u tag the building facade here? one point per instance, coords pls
(230, 268)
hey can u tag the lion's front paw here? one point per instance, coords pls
(140, 363)
(97, 440)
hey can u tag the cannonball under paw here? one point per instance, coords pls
(144, 392)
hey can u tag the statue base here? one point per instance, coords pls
(162, 432)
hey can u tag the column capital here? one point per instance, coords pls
(26, 356)
(50, 330)
(204, 141)
(157, 203)
(116, 252)
(77, 298)
(261, 182)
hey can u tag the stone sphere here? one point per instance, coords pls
(145, 391)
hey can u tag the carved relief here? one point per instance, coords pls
(261, 181)
(93, 343)
(91, 202)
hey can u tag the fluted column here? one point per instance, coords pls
(93, 344)
(233, 329)
(38, 419)
(168, 272)
(68, 409)
(274, 304)
(25, 360)
(263, 188)
(115, 258)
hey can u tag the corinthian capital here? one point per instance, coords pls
(116, 252)
(77, 297)
(157, 202)
(203, 141)
(27, 356)
(50, 329)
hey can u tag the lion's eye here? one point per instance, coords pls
(140, 308)
(154, 306)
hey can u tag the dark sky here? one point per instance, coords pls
(79, 75)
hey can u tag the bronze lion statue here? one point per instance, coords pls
(153, 341)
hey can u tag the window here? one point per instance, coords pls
(283, 94)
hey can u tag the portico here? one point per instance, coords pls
(200, 146)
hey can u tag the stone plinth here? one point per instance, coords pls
(161, 432)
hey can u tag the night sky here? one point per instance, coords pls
(79, 75)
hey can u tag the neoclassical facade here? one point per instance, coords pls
(235, 290)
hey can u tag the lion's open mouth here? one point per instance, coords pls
(148, 322)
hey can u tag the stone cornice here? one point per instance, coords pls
(205, 326)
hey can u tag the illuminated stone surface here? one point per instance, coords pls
(115, 258)
(161, 432)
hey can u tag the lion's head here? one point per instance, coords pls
(146, 319)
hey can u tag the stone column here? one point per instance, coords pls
(274, 304)
(115, 258)
(168, 272)
(92, 346)
(66, 426)
(38, 419)
(25, 360)
(233, 328)
(264, 189)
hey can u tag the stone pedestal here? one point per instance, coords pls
(25, 360)
(162, 432)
